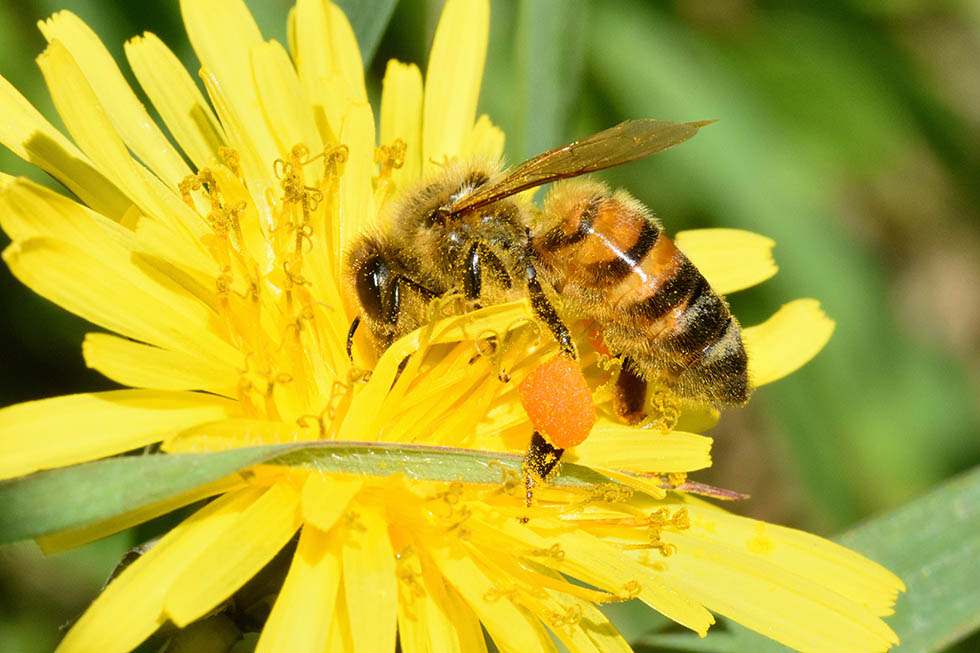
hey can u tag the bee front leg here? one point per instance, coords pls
(480, 258)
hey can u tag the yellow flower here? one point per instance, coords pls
(222, 280)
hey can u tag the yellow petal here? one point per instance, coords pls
(232, 433)
(431, 616)
(238, 552)
(346, 55)
(452, 81)
(356, 193)
(28, 210)
(776, 601)
(369, 579)
(730, 259)
(328, 62)
(312, 51)
(511, 627)
(301, 617)
(283, 100)
(643, 450)
(465, 621)
(325, 498)
(131, 608)
(255, 147)
(30, 136)
(143, 366)
(821, 561)
(106, 290)
(174, 94)
(783, 343)
(75, 428)
(127, 114)
(485, 141)
(596, 562)
(64, 540)
(401, 117)
(223, 34)
(87, 121)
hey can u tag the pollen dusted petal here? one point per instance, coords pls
(31, 137)
(453, 78)
(370, 585)
(302, 614)
(131, 607)
(730, 259)
(643, 450)
(786, 341)
(558, 402)
(75, 428)
(126, 112)
(174, 94)
(401, 117)
(226, 564)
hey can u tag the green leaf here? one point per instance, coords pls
(72, 497)
(369, 18)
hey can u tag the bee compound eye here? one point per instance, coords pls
(373, 276)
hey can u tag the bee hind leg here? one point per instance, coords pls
(629, 397)
(540, 462)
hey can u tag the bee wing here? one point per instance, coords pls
(627, 141)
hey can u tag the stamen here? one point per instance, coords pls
(233, 159)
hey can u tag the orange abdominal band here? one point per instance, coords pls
(558, 402)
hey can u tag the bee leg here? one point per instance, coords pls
(350, 337)
(544, 311)
(629, 398)
(478, 258)
(539, 463)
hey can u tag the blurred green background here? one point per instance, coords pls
(848, 131)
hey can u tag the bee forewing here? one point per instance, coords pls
(627, 141)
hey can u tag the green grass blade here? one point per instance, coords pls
(76, 496)
(71, 497)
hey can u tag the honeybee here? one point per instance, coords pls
(467, 230)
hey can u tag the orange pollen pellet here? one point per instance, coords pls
(558, 402)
